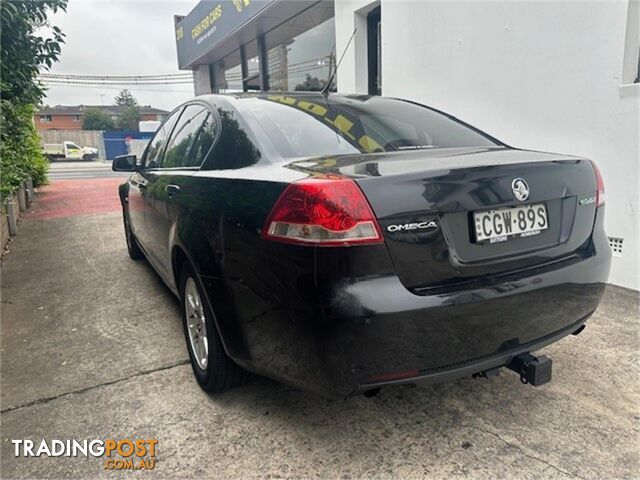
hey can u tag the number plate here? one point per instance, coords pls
(493, 226)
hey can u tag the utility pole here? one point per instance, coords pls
(332, 60)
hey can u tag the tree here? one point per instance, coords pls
(126, 98)
(23, 53)
(130, 118)
(311, 84)
(94, 119)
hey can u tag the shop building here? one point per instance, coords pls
(555, 76)
(247, 45)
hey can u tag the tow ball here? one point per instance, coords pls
(533, 370)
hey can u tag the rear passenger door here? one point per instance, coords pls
(139, 180)
(169, 187)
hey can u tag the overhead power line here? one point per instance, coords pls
(77, 80)
(95, 82)
(116, 88)
(73, 76)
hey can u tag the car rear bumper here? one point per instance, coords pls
(383, 334)
(371, 331)
(467, 369)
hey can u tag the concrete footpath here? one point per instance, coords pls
(92, 347)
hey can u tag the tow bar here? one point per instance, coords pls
(533, 370)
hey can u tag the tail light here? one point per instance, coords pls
(599, 185)
(327, 211)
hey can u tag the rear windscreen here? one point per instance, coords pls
(301, 127)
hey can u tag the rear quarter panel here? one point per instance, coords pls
(252, 285)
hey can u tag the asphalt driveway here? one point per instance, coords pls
(92, 347)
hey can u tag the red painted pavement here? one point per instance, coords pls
(69, 198)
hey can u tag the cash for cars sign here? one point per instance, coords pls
(211, 21)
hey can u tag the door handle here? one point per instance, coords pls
(138, 184)
(172, 189)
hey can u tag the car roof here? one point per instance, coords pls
(336, 98)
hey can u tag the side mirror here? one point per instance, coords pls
(125, 163)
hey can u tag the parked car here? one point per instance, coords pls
(343, 243)
(68, 151)
(148, 125)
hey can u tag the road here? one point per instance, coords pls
(92, 348)
(68, 169)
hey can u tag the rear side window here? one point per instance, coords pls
(151, 158)
(179, 152)
(205, 139)
(234, 145)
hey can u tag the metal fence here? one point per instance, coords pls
(137, 146)
(122, 142)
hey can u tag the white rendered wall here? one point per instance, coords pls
(541, 75)
(202, 80)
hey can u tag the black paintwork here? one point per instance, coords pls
(329, 319)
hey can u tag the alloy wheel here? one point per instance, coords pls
(196, 323)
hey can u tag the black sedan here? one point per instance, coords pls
(341, 243)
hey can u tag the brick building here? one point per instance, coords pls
(63, 117)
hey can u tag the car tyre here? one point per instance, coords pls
(135, 252)
(213, 369)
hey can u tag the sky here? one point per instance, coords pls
(119, 37)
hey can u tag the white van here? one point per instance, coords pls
(69, 150)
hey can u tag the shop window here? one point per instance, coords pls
(631, 59)
(252, 75)
(228, 73)
(374, 49)
(300, 51)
